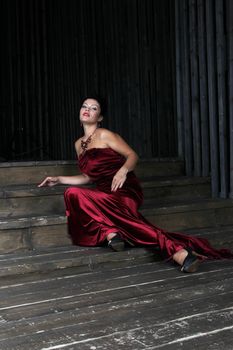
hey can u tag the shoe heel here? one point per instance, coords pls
(117, 244)
(191, 262)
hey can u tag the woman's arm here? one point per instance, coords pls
(82, 179)
(65, 180)
(116, 142)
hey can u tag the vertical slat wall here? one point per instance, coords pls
(204, 83)
(229, 9)
(186, 89)
(221, 51)
(55, 51)
(212, 96)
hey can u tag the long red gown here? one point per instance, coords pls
(94, 213)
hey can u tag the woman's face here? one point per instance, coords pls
(90, 111)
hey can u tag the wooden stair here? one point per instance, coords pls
(32, 218)
(48, 259)
(57, 296)
(32, 172)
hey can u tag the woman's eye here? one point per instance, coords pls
(94, 108)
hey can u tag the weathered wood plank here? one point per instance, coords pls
(212, 95)
(194, 79)
(206, 76)
(222, 102)
(139, 316)
(186, 90)
(204, 112)
(179, 92)
(17, 201)
(34, 172)
(91, 290)
(171, 213)
(230, 67)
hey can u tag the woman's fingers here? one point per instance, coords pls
(49, 181)
(114, 184)
(43, 183)
(117, 183)
(118, 180)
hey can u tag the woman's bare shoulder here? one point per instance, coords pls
(106, 133)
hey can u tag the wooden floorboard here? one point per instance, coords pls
(149, 306)
(94, 283)
(83, 258)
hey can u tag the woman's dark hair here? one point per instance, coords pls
(101, 101)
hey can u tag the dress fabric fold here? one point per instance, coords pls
(93, 213)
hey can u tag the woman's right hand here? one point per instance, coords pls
(50, 181)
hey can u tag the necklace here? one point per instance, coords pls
(84, 144)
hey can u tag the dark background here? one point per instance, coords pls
(55, 52)
(165, 67)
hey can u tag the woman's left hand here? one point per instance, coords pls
(119, 179)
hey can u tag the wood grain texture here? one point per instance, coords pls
(204, 42)
(230, 82)
(203, 86)
(221, 52)
(146, 306)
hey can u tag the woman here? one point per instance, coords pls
(110, 211)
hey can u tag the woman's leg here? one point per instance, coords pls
(180, 256)
(111, 235)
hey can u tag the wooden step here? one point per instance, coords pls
(29, 233)
(21, 200)
(177, 188)
(27, 200)
(146, 306)
(35, 172)
(219, 236)
(86, 259)
(82, 258)
(45, 231)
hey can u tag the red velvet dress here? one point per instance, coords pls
(93, 213)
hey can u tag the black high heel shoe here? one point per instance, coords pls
(117, 244)
(191, 262)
